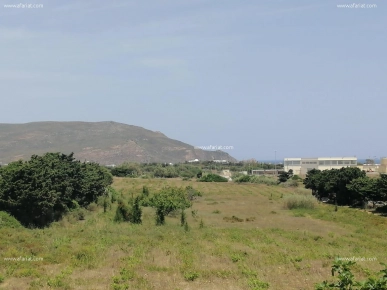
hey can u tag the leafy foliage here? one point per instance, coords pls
(126, 213)
(346, 186)
(41, 190)
(136, 211)
(346, 280)
(284, 176)
(168, 200)
(123, 212)
(256, 179)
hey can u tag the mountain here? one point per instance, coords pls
(103, 142)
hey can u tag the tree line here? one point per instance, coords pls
(346, 186)
(183, 170)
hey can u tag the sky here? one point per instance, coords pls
(271, 78)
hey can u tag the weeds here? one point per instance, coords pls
(299, 202)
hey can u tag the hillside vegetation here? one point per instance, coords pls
(237, 236)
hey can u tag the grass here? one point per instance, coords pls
(266, 247)
(300, 202)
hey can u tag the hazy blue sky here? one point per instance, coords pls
(304, 78)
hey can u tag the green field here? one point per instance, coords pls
(240, 237)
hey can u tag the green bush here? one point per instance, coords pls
(136, 212)
(168, 200)
(78, 214)
(346, 280)
(183, 217)
(112, 193)
(92, 207)
(41, 190)
(261, 179)
(300, 202)
(122, 212)
(213, 178)
(192, 193)
(145, 190)
(242, 178)
(191, 276)
(290, 183)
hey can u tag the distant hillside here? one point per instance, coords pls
(103, 142)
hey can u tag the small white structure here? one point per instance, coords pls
(194, 160)
(220, 161)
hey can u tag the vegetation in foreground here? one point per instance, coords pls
(41, 190)
(234, 236)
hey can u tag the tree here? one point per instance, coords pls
(333, 183)
(168, 200)
(382, 186)
(312, 179)
(364, 189)
(344, 177)
(136, 211)
(41, 190)
(285, 176)
(370, 161)
(127, 170)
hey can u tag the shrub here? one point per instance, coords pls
(136, 212)
(290, 183)
(92, 207)
(145, 190)
(106, 204)
(112, 193)
(168, 200)
(233, 219)
(41, 190)
(213, 178)
(256, 179)
(183, 218)
(299, 201)
(346, 280)
(186, 227)
(78, 214)
(191, 276)
(264, 180)
(242, 178)
(256, 284)
(192, 193)
(122, 212)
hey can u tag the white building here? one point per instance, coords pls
(301, 166)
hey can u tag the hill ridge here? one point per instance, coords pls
(106, 142)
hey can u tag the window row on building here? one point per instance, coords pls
(321, 162)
